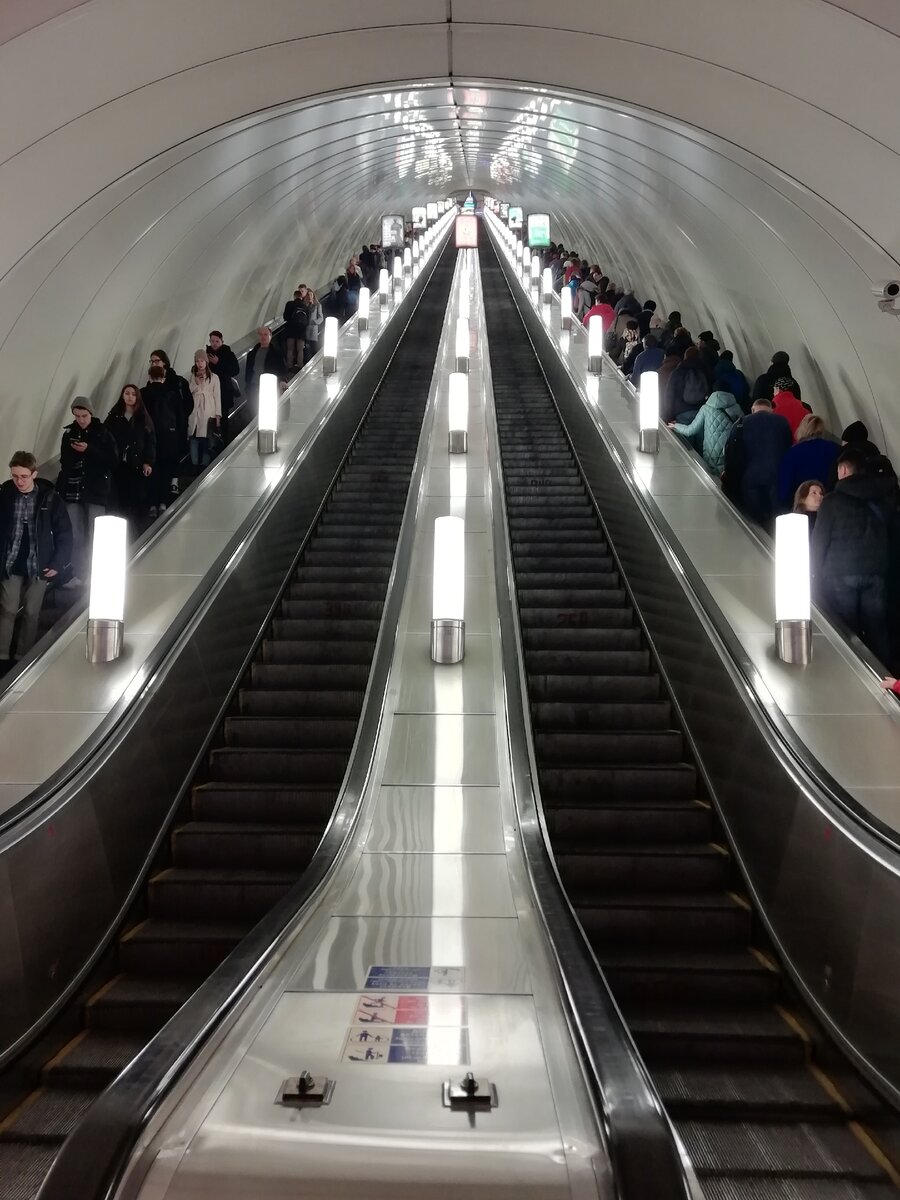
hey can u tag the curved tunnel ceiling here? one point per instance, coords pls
(177, 166)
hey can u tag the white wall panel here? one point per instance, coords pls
(183, 164)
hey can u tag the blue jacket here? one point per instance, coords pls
(729, 379)
(715, 419)
(647, 360)
(766, 438)
(812, 459)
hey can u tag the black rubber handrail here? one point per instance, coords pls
(641, 1142)
(93, 1159)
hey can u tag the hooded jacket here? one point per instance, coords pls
(793, 410)
(856, 528)
(650, 359)
(687, 390)
(728, 378)
(53, 530)
(715, 420)
(601, 310)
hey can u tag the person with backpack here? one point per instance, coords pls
(753, 455)
(687, 389)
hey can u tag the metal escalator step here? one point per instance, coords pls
(225, 895)
(309, 677)
(269, 804)
(334, 609)
(587, 872)
(645, 973)
(92, 1060)
(48, 1116)
(621, 746)
(597, 689)
(729, 1035)
(137, 1005)
(653, 715)
(277, 766)
(23, 1167)
(336, 653)
(616, 784)
(273, 732)
(608, 825)
(568, 641)
(742, 1188)
(300, 705)
(560, 598)
(765, 1148)
(284, 628)
(562, 561)
(569, 616)
(235, 846)
(719, 1090)
(690, 919)
(179, 949)
(587, 662)
(553, 578)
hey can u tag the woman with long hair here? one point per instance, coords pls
(808, 500)
(315, 321)
(207, 409)
(131, 427)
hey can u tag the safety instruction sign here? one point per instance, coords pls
(414, 979)
(387, 1008)
(431, 1044)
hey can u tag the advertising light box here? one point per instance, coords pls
(515, 217)
(466, 232)
(419, 218)
(538, 229)
(431, 211)
(392, 227)
(504, 211)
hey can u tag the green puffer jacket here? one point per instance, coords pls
(714, 420)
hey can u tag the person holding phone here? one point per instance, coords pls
(88, 456)
(35, 549)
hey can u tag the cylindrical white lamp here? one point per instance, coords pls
(462, 345)
(520, 250)
(416, 250)
(330, 346)
(398, 274)
(648, 412)
(448, 624)
(793, 624)
(458, 404)
(464, 308)
(384, 287)
(267, 423)
(407, 260)
(547, 285)
(362, 309)
(106, 608)
(595, 345)
(535, 270)
(565, 308)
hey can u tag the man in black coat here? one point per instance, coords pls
(224, 364)
(87, 458)
(265, 358)
(35, 547)
(853, 541)
(169, 402)
(779, 368)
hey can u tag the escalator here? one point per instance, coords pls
(766, 1109)
(273, 773)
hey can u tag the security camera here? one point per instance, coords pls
(890, 290)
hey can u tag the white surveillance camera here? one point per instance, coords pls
(889, 290)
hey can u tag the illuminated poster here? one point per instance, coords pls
(538, 229)
(419, 218)
(431, 211)
(466, 232)
(504, 211)
(515, 217)
(392, 231)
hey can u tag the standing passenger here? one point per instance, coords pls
(207, 408)
(765, 438)
(131, 427)
(87, 459)
(169, 409)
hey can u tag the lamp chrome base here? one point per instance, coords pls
(362, 324)
(649, 441)
(104, 640)
(567, 324)
(448, 640)
(458, 441)
(329, 364)
(793, 641)
(595, 364)
(267, 441)
(462, 366)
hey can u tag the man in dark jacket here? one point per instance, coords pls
(87, 457)
(687, 390)
(224, 364)
(708, 347)
(764, 439)
(649, 359)
(728, 378)
(265, 358)
(852, 544)
(35, 547)
(779, 368)
(169, 405)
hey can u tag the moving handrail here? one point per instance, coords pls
(80, 830)
(642, 1145)
(92, 1161)
(809, 851)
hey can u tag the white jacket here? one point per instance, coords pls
(207, 403)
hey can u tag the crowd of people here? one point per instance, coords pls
(771, 451)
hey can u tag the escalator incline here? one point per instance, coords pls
(273, 774)
(639, 849)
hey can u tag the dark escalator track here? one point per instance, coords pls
(641, 854)
(257, 814)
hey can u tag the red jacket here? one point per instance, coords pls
(788, 406)
(606, 311)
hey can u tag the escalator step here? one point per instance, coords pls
(255, 702)
(218, 845)
(771, 1188)
(644, 973)
(309, 677)
(799, 1149)
(346, 630)
(694, 1091)
(587, 662)
(333, 654)
(606, 825)
(618, 783)
(23, 1167)
(92, 1060)
(236, 895)
(267, 804)
(334, 608)
(655, 715)
(325, 734)
(179, 949)
(592, 746)
(568, 616)
(48, 1116)
(560, 598)
(666, 918)
(728, 1035)
(134, 1005)
(277, 766)
(555, 578)
(688, 867)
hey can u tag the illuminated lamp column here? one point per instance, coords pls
(448, 625)
(267, 422)
(648, 412)
(106, 607)
(793, 624)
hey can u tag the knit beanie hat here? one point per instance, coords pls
(855, 432)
